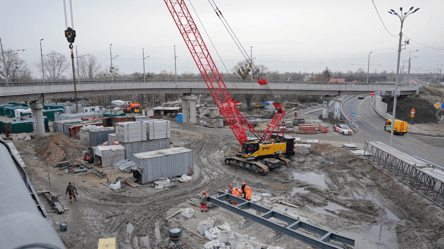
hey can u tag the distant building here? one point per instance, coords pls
(337, 80)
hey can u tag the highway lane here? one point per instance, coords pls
(371, 127)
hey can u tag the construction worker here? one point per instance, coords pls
(243, 187)
(72, 192)
(230, 188)
(235, 193)
(248, 193)
(203, 201)
(241, 194)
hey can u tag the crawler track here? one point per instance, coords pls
(254, 166)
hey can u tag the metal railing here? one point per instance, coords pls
(66, 82)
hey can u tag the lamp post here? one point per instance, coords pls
(368, 67)
(41, 56)
(402, 16)
(111, 58)
(410, 63)
(144, 58)
(175, 68)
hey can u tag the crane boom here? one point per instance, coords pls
(199, 51)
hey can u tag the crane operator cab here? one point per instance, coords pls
(249, 148)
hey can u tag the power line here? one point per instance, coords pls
(381, 19)
(423, 44)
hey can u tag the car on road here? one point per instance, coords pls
(361, 96)
(343, 129)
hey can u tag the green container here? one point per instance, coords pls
(9, 111)
(52, 107)
(50, 113)
(108, 114)
(22, 114)
(2, 127)
(22, 126)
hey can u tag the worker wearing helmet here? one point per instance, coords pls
(203, 201)
(243, 187)
(230, 188)
(248, 193)
(241, 194)
(235, 193)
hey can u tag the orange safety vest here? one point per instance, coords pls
(241, 194)
(248, 193)
(235, 193)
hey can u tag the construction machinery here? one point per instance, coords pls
(254, 154)
(132, 107)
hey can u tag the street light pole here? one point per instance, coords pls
(111, 59)
(4, 61)
(144, 58)
(402, 17)
(368, 68)
(175, 68)
(251, 62)
(41, 55)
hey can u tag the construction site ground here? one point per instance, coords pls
(331, 188)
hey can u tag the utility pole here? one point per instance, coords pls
(368, 68)
(144, 58)
(111, 59)
(402, 16)
(77, 59)
(175, 67)
(251, 62)
(41, 55)
(4, 61)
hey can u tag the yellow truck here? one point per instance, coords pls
(400, 126)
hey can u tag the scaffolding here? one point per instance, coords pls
(425, 178)
(293, 229)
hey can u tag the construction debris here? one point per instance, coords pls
(99, 173)
(53, 201)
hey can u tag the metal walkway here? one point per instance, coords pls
(290, 230)
(424, 177)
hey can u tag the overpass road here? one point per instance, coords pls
(54, 90)
(371, 127)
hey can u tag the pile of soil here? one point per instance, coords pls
(425, 111)
(52, 147)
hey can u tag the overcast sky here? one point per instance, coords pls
(288, 36)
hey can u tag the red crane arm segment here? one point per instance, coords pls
(204, 62)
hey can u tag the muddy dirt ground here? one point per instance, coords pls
(332, 188)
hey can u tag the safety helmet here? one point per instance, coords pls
(243, 183)
(205, 192)
(236, 188)
(231, 184)
(240, 191)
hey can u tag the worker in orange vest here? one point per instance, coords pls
(248, 193)
(241, 194)
(235, 193)
(230, 188)
(203, 201)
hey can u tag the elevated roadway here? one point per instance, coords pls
(14, 92)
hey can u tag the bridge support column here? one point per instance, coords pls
(337, 114)
(185, 111)
(325, 109)
(38, 121)
(189, 115)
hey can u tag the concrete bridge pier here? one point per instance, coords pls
(337, 103)
(37, 117)
(189, 108)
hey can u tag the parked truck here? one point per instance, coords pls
(133, 107)
(400, 126)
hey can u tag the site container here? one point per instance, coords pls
(98, 137)
(131, 132)
(19, 126)
(10, 111)
(144, 146)
(112, 138)
(51, 113)
(108, 154)
(52, 107)
(118, 114)
(157, 129)
(2, 127)
(165, 163)
(68, 116)
(108, 121)
(142, 118)
(74, 130)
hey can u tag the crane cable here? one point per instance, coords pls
(239, 45)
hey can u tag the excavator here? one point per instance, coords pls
(259, 155)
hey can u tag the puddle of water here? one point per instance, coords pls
(299, 190)
(146, 241)
(310, 177)
(370, 197)
(331, 207)
(129, 228)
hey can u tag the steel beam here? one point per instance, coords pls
(289, 230)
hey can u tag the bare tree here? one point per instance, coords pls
(326, 74)
(55, 65)
(16, 68)
(244, 70)
(89, 67)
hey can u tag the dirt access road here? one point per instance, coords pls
(333, 189)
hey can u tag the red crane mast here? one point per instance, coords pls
(199, 51)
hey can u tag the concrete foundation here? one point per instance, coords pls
(37, 117)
